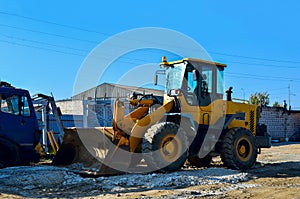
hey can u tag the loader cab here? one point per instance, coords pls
(200, 82)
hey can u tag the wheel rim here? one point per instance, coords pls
(171, 148)
(244, 149)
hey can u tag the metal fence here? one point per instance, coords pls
(67, 120)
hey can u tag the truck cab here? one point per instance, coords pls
(19, 131)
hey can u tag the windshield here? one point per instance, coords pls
(174, 76)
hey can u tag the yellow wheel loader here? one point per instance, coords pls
(193, 123)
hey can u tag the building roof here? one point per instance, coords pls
(108, 90)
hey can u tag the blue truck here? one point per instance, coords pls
(19, 130)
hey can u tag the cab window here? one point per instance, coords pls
(207, 79)
(192, 89)
(10, 104)
(192, 84)
(25, 109)
(15, 105)
(220, 81)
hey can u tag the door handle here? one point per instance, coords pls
(22, 121)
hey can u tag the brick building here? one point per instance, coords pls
(280, 123)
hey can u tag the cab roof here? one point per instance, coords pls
(193, 60)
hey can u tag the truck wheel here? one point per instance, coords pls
(165, 147)
(200, 162)
(9, 154)
(238, 149)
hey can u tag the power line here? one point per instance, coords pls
(77, 49)
(63, 36)
(45, 33)
(86, 51)
(278, 88)
(256, 58)
(54, 23)
(107, 34)
(43, 43)
(72, 27)
(257, 64)
(240, 75)
(68, 26)
(57, 35)
(55, 45)
(266, 78)
(67, 53)
(41, 48)
(247, 77)
(260, 76)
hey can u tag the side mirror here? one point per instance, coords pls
(155, 79)
(158, 72)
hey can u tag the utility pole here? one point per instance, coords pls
(289, 93)
(243, 94)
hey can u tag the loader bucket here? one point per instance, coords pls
(93, 148)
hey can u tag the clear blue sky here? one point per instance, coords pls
(44, 43)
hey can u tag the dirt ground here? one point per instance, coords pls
(275, 175)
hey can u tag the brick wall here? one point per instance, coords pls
(280, 125)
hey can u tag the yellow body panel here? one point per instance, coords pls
(210, 115)
(250, 111)
(142, 125)
(136, 123)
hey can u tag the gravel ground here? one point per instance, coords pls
(277, 170)
(49, 181)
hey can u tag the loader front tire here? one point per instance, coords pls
(239, 150)
(165, 147)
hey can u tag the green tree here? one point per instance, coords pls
(260, 98)
(276, 104)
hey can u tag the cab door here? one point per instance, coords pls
(17, 120)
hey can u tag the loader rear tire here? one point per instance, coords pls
(9, 154)
(239, 150)
(200, 162)
(165, 147)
